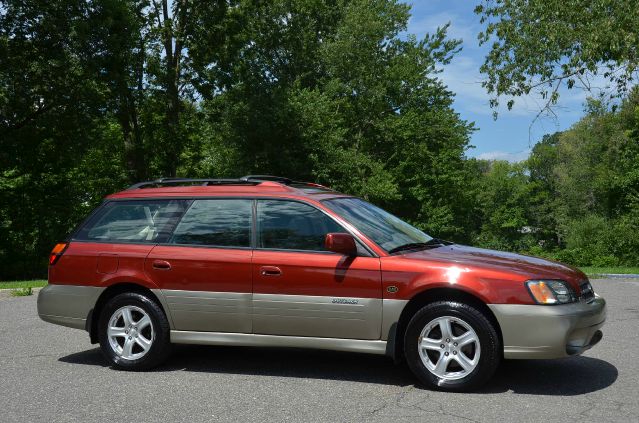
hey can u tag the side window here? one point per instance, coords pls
(136, 221)
(220, 223)
(291, 225)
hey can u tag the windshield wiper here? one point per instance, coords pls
(415, 245)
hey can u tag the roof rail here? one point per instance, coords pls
(258, 178)
(203, 182)
(244, 180)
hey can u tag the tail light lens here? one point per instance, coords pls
(57, 252)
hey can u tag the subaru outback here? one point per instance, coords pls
(267, 261)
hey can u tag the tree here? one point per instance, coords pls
(540, 45)
(504, 200)
(585, 187)
(329, 91)
(143, 52)
(51, 121)
(543, 205)
(100, 93)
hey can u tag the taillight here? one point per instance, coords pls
(57, 252)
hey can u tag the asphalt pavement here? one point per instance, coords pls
(53, 374)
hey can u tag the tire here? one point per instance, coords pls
(139, 338)
(459, 334)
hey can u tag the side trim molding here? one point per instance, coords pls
(208, 310)
(253, 340)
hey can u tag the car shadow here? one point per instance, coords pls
(283, 362)
(566, 377)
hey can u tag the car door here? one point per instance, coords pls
(299, 289)
(204, 270)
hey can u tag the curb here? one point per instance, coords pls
(615, 276)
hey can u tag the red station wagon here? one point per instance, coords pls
(266, 261)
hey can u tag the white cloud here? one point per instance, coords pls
(518, 128)
(462, 76)
(504, 155)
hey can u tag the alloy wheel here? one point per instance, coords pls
(449, 348)
(130, 332)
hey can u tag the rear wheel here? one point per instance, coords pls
(134, 332)
(452, 346)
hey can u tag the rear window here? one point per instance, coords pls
(135, 221)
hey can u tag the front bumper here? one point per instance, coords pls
(67, 305)
(538, 331)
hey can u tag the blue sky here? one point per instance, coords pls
(513, 133)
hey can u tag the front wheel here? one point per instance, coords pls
(452, 346)
(134, 332)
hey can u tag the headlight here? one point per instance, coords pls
(551, 292)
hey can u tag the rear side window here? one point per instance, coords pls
(135, 221)
(291, 225)
(218, 223)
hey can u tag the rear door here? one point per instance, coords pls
(115, 240)
(204, 269)
(302, 290)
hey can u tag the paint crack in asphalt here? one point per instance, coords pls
(396, 401)
(441, 410)
(419, 406)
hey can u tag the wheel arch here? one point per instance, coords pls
(432, 295)
(110, 292)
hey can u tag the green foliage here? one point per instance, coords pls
(575, 199)
(95, 95)
(504, 201)
(538, 45)
(52, 128)
(22, 292)
(22, 284)
(597, 271)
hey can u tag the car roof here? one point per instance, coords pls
(251, 185)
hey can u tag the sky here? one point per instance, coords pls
(511, 136)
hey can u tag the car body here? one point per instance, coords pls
(265, 261)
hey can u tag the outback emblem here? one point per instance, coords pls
(344, 301)
(392, 289)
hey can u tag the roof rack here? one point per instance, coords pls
(258, 178)
(244, 180)
(286, 181)
(203, 182)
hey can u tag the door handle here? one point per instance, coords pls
(161, 265)
(270, 271)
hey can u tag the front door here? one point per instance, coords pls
(299, 289)
(204, 270)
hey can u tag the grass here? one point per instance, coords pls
(591, 271)
(23, 284)
(22, 292)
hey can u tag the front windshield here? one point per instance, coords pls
(386, 230)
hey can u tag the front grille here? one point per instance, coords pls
(587, 293)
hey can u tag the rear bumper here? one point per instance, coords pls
(67, 305)
(536, 331)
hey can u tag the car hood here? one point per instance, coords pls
(526, 266)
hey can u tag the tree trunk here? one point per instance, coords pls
(134, 152)
(175, 142)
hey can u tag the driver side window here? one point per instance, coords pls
(291, 225)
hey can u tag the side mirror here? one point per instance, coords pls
(340, 243)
